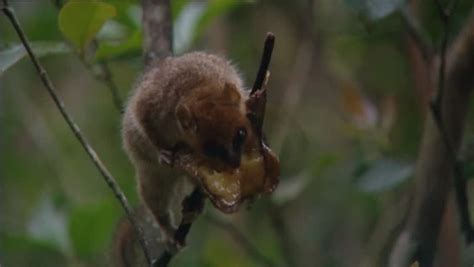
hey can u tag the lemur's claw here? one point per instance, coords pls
(166, 157)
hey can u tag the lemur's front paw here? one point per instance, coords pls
(166, 157)
(169, 156)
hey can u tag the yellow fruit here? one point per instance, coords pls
(227, 189)
(223, 186)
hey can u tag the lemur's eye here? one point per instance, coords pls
(239, 139)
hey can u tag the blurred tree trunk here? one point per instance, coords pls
(422, 70)
(434, 170)
(449, 245)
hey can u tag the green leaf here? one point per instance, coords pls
(13, 55)
(384, 174)
(132, 46)
(80, 21)
(375, 9)
(91, 226)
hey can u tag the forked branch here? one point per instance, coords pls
(435, 167)
(436, 111)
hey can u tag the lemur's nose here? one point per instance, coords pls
(234, 160)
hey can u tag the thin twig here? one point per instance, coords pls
(109, 81)
(258, 95)
(241, 239)
(460, 181)
(264, 62)
(256, 107)
(109, 179)
(463, 203)
(164, 259)
(436, 110)
(192, 208)
(105, 76)
(444, 45)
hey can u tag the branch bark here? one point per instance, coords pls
(192, 208)
(436, 110)
(434, 171)
(157, 30)
(157, 45)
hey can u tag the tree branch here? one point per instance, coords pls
(436, 111)
(264, 62)
(157, 30)
(434, 170)
(192, 208)
(435, 106)
(109, 81)
(436, 102)
(105, 75)
(109, 179)
(258, 95)
(158, 44)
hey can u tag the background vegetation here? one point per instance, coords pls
(345, 116)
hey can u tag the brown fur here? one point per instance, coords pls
(190, 100)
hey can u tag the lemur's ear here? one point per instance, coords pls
(231, 93)
(185, 118)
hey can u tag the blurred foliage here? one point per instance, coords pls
(80, 21)
(347, 131)
(14, 54)
(375, 9)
